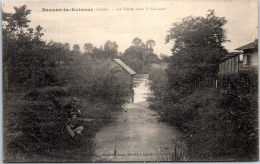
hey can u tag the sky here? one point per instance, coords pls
(122, 26)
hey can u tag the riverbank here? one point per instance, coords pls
(219, 124)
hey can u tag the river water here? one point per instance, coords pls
(137, 135)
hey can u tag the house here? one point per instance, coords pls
(249, 56)
(119, 65)
(245, 60)
(229, 64)
(236, 62)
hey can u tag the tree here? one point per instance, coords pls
(23, 47)
(38, 34)
(67, 46)
(139, 55)
(98, 52)
(110, 49)
(149, 45)
(18, 21)
(88, 47)
(197, 49)
(76, 49)
(45, 77)
(137, 42)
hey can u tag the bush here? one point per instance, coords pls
(240, 109)
(42, 122)
(46, 93)
(98, 81)
(51, 76)
(217, 127)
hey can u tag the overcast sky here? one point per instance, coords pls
(97, 27)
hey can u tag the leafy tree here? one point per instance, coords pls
(76, 49)
(135, 52)
(18, 21)
(137, 42)
(38, 34)
(151, 58)
(88, 47)
(139, 55)
(44, 78)
(110, 49)
(149, 45)
(198, 31)
(22, 46)
(67, 46)
(98, 52)
(207, 118)
(197, 49)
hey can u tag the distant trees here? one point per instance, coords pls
(140, 55)
(149, 45)
(76, 49)
(137, 56)
(88, 47)
(137, 42)
(110, 49)
(67, 46)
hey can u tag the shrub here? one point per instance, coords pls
(217, 127)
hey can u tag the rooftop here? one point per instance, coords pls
(122, 64)
(230, 55)
(251, 45)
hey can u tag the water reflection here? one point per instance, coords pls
(137, 135)
(141, 88)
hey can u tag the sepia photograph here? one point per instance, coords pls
(130, 81)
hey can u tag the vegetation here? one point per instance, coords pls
(139, 56)
(218, 126)
(41, 79)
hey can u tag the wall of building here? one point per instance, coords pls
(254, 59)
(244, 59)
(229, 66)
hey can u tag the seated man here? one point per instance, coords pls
(72, 126)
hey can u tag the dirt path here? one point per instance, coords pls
(136, 135)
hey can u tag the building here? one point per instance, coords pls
(245, 60)
(249, 56)
(236, 62)
(229, 64)
(119, 65)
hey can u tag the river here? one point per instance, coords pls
(137, 135)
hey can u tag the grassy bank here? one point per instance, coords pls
(35, 118)
(217, 126)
